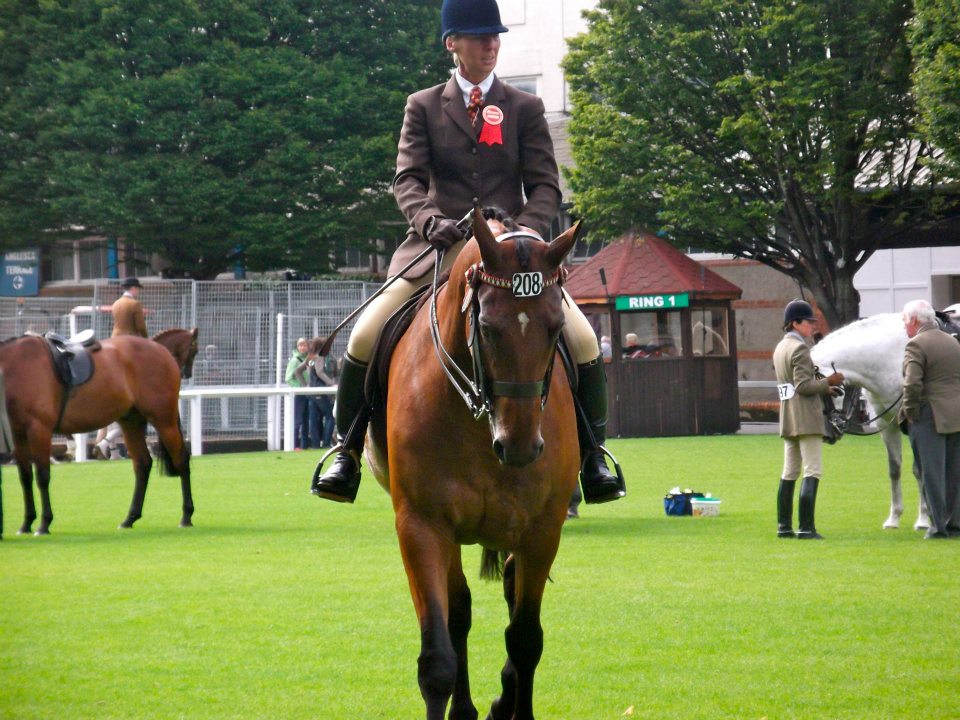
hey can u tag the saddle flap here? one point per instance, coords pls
(375, 387)
(72, 361)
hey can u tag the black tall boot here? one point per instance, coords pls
(599, 484)
(785, 509)
(808, 506)
(342, 481)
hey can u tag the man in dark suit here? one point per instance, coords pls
(931, 405)
(471, 137)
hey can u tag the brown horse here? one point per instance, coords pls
(182, 344)
(134, 381)
(504, 483)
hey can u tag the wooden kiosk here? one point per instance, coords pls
(672, 363)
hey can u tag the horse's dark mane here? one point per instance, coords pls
(492, 212)
(169, 331)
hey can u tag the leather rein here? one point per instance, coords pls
(479, 391)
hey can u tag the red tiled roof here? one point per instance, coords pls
(643, 264)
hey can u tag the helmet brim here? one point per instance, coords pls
(484, 30)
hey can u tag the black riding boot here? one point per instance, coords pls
(808, 504)
(599, 484)
(785, 509)
(341, 482)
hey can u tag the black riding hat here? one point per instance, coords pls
(470, 17)
(131, 282)
(797, 310)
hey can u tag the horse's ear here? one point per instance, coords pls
(484, 236)
(561, 245)
(194, 332)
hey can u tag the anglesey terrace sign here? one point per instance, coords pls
(20, 272)
(653, 302)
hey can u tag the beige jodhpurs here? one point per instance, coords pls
(805, 451)
(577, 331)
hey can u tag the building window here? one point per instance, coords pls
(710, 332)
(529, 83)
(650, 335)
(92, 260)
(57, 263)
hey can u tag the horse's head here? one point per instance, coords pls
(182, 344)
(515, 299)
(192, 347)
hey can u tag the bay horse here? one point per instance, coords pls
(869, 353)
(183, 345)
(135, 381)
(454, 480)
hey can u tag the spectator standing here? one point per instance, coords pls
(322, 373)
(931, 406)
(296, 376)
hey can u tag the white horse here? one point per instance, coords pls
(870, 355)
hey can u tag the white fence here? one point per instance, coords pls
(279, 427)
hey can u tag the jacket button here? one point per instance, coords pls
(473, 150)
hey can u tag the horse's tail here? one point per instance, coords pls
(167, 465)
(491, 564)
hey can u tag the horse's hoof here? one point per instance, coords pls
(125, 525)
(891, 525)
(41, 532)
(186, 523)
(921, 526)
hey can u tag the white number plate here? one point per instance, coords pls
(786, 390)
(528, 284)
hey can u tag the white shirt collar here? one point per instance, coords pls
(466, 86)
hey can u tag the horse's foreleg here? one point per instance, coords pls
(893, 443)
(503, 706)
(460, 614)
(524, 634)
(427, 557)
(25, 470)
(136, 442)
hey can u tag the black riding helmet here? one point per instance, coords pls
(797, 310)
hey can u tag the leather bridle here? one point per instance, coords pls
(479, 390)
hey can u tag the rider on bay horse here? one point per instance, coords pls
(471, 137)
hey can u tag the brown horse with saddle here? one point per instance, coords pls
(55, 386)
(477, 444)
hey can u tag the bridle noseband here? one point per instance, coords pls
(478, 392)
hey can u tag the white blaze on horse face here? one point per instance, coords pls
(524, 320)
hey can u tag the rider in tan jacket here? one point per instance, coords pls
(801, 419)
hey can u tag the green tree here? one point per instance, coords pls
(780, 131)
(210, 131)
(935, 36)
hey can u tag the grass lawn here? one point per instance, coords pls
(278, 605)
